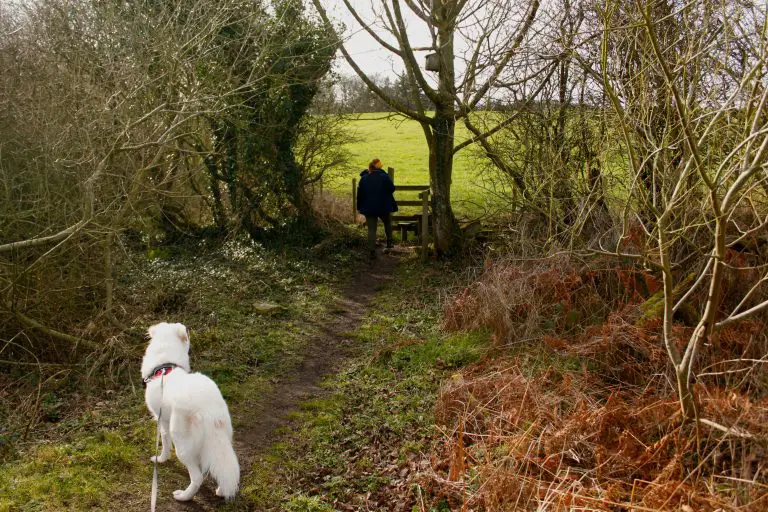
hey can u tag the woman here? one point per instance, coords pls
(376, 201)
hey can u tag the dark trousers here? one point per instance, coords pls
(372, 222)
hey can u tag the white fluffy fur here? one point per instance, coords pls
(192, 412)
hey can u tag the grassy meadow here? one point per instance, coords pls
(399, 143)
(476, 192)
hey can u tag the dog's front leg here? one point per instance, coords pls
(165, 437)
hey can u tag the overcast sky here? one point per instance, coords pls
(369, 55)
(373, 58)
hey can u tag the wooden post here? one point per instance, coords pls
(391, 172)
(354, 200)
(424, 224)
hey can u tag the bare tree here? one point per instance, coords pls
(318, 152)
(494, 32)
(706, 161)
(548, 147)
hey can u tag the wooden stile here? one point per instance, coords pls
(417, 222)
(413, 188)
(424, 224)
(354, 200)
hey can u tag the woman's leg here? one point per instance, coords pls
(387, 220)
(372, 222)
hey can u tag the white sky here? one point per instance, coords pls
(368, 54)
(373, 58)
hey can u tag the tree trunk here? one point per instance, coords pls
(440, 171)
(217, 207)
(688, 404)
(109, 282)
(599, 212)
(447, 236)
(225, 149)
(563, 191)
(291, 173)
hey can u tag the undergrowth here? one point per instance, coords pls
(577, 408)
(79, 436)
(539, 385)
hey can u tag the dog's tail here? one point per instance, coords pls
(219, 457)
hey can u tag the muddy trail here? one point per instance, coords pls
(257, 424)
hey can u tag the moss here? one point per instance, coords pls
(306, 504)
(62, 476)
(653, 307)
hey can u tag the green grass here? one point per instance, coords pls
(74, 475)
(400, 143)
(377, 414)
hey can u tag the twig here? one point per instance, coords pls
(727, 430)
(31, 322)
(27, 363)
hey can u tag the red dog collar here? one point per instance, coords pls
(159, 371)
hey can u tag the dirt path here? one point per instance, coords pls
(256, 428)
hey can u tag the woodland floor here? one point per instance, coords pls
(375, 386)
(332, 393)
(259, 422)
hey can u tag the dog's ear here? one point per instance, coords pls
(182, 333)
(152, 330)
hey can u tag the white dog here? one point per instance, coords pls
(191, 412)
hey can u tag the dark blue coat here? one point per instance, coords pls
(375, 193)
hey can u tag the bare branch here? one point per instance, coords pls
(503, 61)
(400, 107)
(370, 31)
(509, 120)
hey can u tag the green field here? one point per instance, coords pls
(400, 143)
(475, 192)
